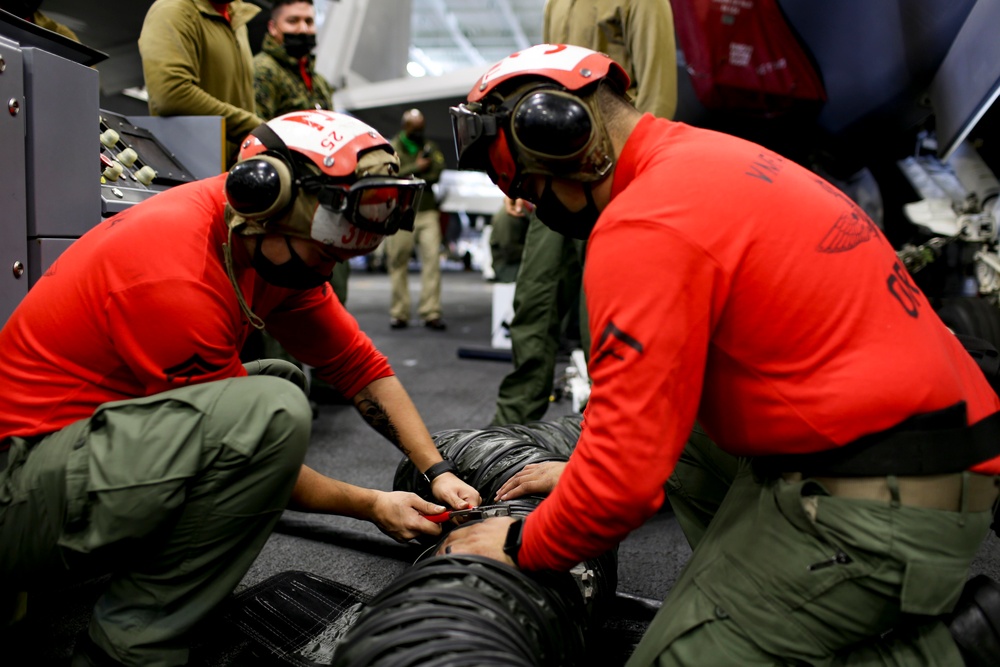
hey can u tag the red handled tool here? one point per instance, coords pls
(481, 512)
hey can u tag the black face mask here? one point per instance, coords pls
(416, 137)
(293, 274)
(555, 215)
(298, 44)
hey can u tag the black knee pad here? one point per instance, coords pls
(975, 623)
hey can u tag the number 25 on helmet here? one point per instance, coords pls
(346, 168)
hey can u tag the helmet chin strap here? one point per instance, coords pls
(227, 252)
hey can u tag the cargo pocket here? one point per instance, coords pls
(931, 588)
(672, 622)
(127, 473)
(786, 582)
(770, 625)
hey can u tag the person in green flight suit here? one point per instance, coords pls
(507, 242)
(285, 78)
(638, 34)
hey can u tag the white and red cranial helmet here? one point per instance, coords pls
(572, 67)
(534, 112)
(331, 141)
(345, 169)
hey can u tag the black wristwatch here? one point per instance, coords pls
(512, 545)
(439, 469)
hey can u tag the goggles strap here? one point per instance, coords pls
(274, 143)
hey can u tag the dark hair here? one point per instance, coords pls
(278, 4)
(615, 107)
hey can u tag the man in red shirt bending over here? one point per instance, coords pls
(728, 285)
(132, 437)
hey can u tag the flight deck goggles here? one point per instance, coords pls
(376, 204)
(539, 129)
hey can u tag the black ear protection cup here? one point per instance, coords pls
(259, 187)
(552, 124)
(264, 184)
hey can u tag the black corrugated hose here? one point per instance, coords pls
(469, 611)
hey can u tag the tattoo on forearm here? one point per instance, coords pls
(378, 418)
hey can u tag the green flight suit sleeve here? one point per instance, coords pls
(433, 173)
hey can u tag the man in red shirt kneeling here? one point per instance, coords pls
(728, 285)
(134, 440)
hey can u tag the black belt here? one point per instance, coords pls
(935, 443)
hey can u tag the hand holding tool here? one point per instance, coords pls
(481, 512)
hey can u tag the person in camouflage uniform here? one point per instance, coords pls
(284, 75)
(285, 80)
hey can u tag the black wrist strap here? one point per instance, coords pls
(512, 545)
(439, 469)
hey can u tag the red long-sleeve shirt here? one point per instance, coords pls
(727, 283)
(142, 304)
